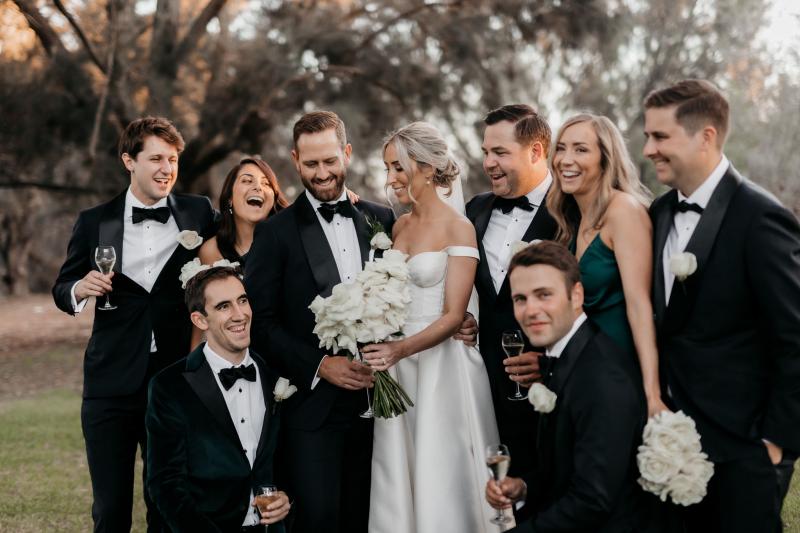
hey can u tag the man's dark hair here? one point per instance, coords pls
(698, 104)
(195, 295)
(549, 253)
(132, 139)
(529, 126)
(318, 121)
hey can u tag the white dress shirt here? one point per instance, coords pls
(146, 248)
(684, 224)
(506, 229)
(342, 239)
(558, 347)
(245, 401)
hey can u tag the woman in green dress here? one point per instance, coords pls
(601, 209)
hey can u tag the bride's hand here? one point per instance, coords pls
(384, 355)
(655, 406)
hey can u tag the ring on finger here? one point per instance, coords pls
(383, 359)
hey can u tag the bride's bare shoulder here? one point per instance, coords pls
(461, 232)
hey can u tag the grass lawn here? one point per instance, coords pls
(45, 481)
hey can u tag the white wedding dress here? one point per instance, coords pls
(428, 467)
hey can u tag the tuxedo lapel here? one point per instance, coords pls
(183, 218)
(267, 385)
(481, 224)
(362, 231)
(564, 365)
(318, 251)
(200, 377)
(662, 224)
(700, 244)
(111, 228)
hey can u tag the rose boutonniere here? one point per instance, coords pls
(521, 245)
(283, 389)
(378, 239)
(542, 399)
(189, 239)
(683, 265)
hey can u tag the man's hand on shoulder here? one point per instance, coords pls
(350, 375)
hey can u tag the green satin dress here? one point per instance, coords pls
(604, 300)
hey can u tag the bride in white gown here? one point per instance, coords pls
(428, 465)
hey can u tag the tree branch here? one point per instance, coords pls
(82, 36)
(15, 184)
(197, 29)
(50, 40)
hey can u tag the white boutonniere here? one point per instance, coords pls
(683, 265)
(542, 399)
(380, 241)
(193, 267)
(283, 389)
(189, 239)
(521, 245)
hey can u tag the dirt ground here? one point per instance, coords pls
(41, 347)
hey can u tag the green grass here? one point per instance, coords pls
(45, 481)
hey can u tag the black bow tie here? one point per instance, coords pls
(328, 210)
(228, 376)
(684, 206)
(507, 204)
(160, 214)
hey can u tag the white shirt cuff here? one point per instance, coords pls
(316, 376)
(76, 307)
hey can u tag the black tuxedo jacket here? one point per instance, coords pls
(116, 357)
(197, 473)
(586, 475)
(729, 340)
(289, 264)
(517, 422)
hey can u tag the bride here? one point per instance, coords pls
(428, 465)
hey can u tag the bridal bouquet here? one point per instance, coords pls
(670, 460)
(369, 310)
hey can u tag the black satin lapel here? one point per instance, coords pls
(562, 367)
(205, 386)
(183, 219)
(267, 386)
(318, 251)
(481, 224)
(663, 223)
(543, 226)
(700, 244)
(362, 231)
(482, 220)
(111, 229)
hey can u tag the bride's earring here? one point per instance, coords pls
(230, 208)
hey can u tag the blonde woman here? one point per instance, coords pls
(601, 210)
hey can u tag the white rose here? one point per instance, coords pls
(345, 302)
(283, 389)
(657, 465)
(380, 241)
(683, 265)
(659, 489)
(542, 399)
(686, 490)
(225, 263)
(699, 467)
(521, 245)
(190, 270)
(189, 239)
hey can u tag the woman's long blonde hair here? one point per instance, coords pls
(617, 173)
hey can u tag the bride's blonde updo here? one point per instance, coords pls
(423, 144)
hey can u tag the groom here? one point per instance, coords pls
(304, 251)
(729, 324)
(150, 327)
(515, 146)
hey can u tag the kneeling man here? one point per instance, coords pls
(586, 474)
(212, 423)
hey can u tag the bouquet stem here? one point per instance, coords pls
(388, 398)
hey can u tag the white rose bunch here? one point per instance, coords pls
(683, 265)
(189, 239)
(670, 460)
(542, 399)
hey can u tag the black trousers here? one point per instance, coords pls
(744, 496)
(327, 474)
(113, 428)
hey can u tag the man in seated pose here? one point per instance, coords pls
(212, 420)
(585, 479)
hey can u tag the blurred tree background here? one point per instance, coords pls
(234, 75)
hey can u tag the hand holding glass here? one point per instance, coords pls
(266, 495)
(105, 257)
(498, 460)
(513, 345)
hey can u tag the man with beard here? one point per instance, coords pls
(515, 146)
(305, 250)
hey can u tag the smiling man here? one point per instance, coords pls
(515, 146)
(150, 327)
(729, 332)
(585, 479)
(304, 251)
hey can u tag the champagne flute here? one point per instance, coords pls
(513, 344)
(105, 257)
(498, 460)
(369, 413)
(266, 495)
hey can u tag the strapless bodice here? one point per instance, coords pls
(427, 272)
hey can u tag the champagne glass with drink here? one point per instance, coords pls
(266, 495)
(105, 257)
(498, 460)
(513, 344)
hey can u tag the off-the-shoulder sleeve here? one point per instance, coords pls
(463, 251)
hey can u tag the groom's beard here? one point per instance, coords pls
(320, 188)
